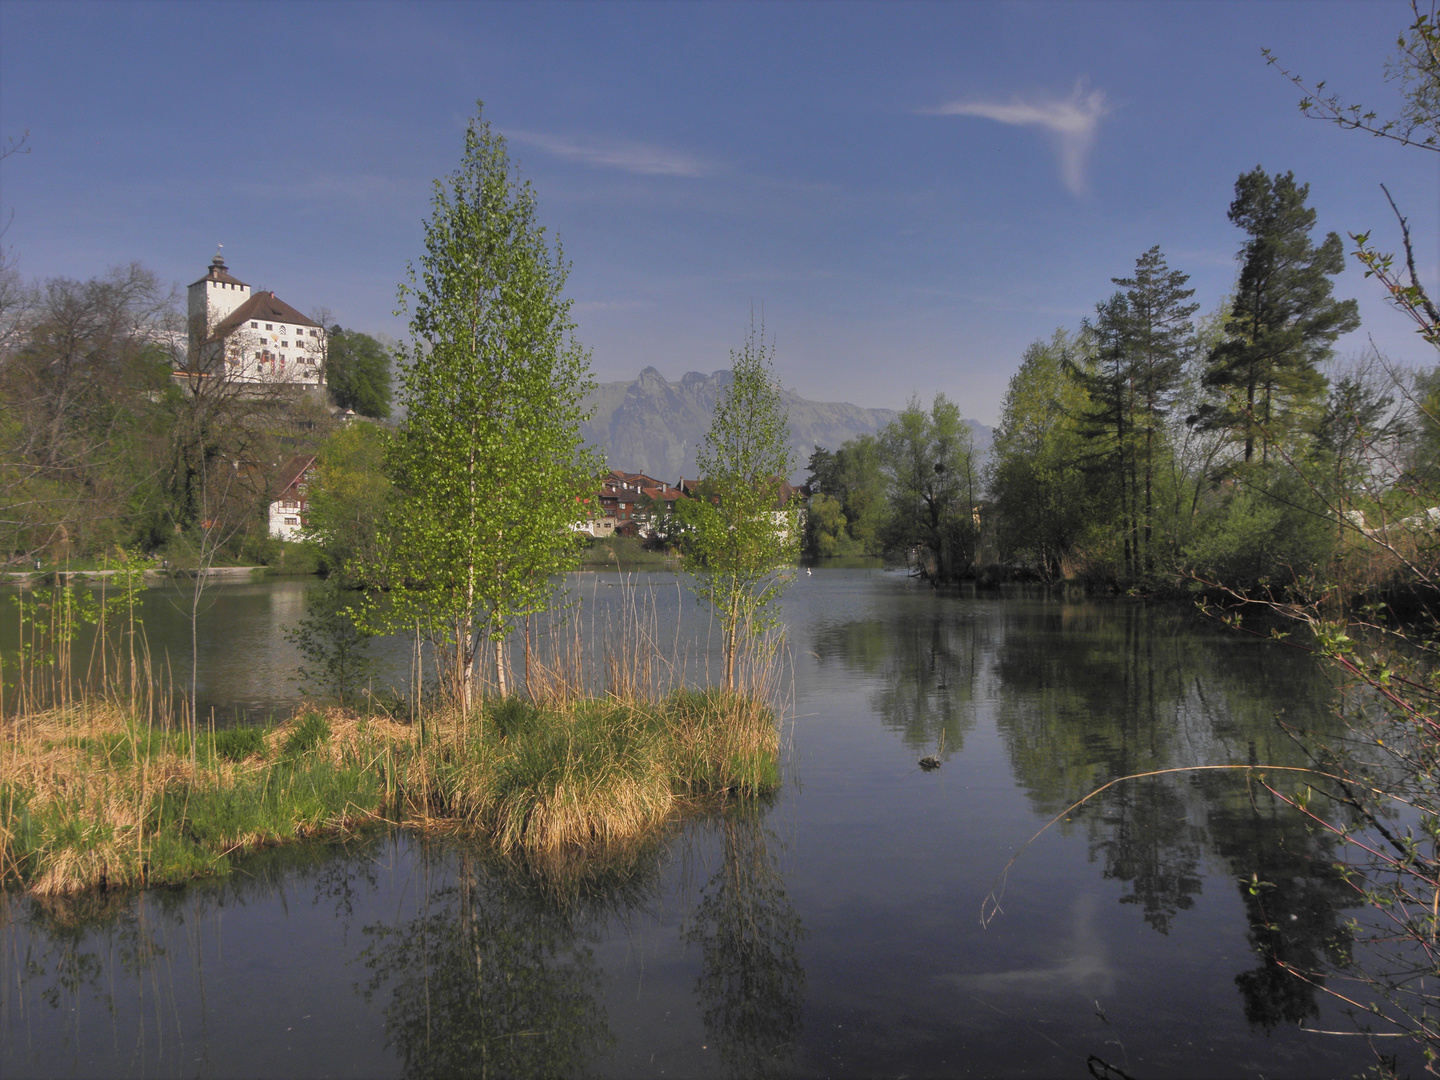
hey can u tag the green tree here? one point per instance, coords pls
(1284, 319)
(1037, 486)
(1143, 336)
(928, 460)
(357, 372)
(737, 533)
(488, 465)
(348, 499)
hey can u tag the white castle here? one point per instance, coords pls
(257, 339)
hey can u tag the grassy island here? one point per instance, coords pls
(91, 797)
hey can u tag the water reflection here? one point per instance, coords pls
(927, 670)
(495, 976)
(1084, 693)
(752, 985)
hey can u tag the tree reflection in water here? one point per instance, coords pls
(752, 985)
(1083, 693)
(496, 976)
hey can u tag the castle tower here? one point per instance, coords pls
(212, 298)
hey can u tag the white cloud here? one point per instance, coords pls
(628, 156)
(1072, 121)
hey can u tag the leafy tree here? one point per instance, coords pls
(850, 476)
(928, 459)
(357, 372)
(488, 465)
(825, 526)
(1284, 320)
(348, 499)
(736, 531)
(1036, 482)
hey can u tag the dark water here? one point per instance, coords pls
(835, 931)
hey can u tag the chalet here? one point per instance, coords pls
(251, 338)
(289, 509)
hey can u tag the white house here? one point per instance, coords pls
(255, 338)
(288, 510)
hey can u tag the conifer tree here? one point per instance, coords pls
(1284, 319)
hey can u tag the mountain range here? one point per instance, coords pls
(654, 426)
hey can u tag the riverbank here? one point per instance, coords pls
(92, 798)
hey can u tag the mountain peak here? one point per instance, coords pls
(655, 426)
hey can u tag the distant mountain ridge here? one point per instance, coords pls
(654, 426)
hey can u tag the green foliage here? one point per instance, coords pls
(1038, 488)
(334, 647)
(488, 466)
(1142, 337)
(1284, 320)
(736, 532)
(933, 486)
(357, 372)
(348, 500)
(1265, 529)
(851, 475)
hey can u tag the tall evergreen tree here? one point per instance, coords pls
(1284, 320)
(488, 466)
(1160, 336)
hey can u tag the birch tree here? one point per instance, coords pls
(488, 465)
(737, 533)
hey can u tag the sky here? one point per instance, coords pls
(909, 194)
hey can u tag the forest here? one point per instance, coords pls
(1156, 446)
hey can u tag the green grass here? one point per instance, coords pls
(91, 799)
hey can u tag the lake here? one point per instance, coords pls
(834, 930)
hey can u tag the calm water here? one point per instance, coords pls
(832, 932)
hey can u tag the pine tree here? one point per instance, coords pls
(1284, 320)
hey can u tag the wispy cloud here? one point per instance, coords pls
(629, 157)
(1072, 121)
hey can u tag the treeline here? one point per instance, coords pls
(1149, 445)
(106, 441)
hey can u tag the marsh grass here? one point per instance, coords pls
(92, 798)
(602, 752)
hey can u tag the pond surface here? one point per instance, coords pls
(833, 931)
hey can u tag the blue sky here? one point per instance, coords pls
(913, 192)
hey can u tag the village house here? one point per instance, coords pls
(289, 509)
(249, 338)
(626, 503)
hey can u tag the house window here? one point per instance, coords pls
(269, 327)
(284, 344)
(254, 326)
(292, 521)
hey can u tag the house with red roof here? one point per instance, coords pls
(251, 338)
(289, 509)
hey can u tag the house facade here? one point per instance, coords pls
(251, 338)
(289, 509)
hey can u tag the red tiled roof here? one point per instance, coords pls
(293, 472)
